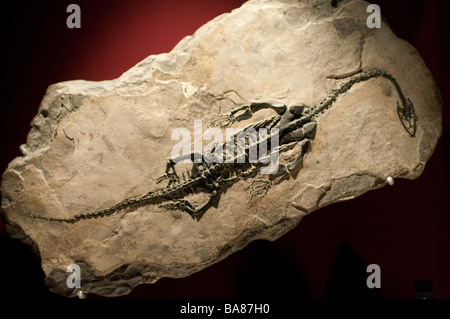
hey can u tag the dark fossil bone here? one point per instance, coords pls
(295, 124)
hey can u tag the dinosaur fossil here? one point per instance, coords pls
(294, 125)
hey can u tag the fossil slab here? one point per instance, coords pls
(84, 190)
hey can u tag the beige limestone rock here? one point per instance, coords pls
(94, 144)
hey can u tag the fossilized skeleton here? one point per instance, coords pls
(295, 125)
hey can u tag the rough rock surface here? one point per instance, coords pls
(94, 144)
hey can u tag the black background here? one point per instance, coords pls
(404, 228)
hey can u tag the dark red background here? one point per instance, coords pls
(404, 228)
